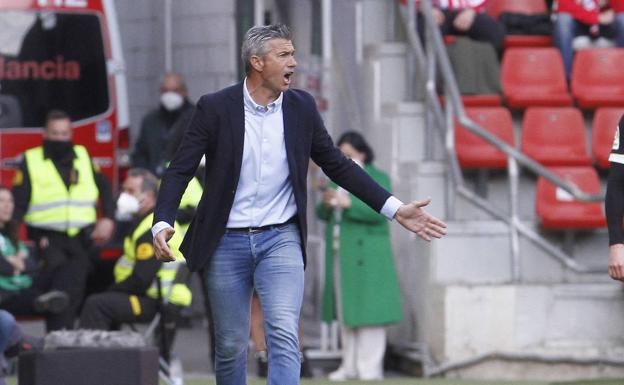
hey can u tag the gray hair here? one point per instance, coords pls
(149, 183)
(254, 42)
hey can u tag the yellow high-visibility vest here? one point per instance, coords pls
(54, 206)
(178, 293)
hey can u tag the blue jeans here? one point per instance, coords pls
(565, 29)
(271, 261)
(9, 334)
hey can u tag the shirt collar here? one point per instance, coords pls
(257, 108)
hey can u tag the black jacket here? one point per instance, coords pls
(217, 130)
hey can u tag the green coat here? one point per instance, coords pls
(370, 288)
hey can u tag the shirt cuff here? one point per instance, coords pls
(389, 208)
(158, 227)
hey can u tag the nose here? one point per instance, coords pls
(292, 62)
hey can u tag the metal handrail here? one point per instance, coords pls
(443, 120)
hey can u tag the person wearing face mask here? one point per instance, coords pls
(56, 189)
(133, 297)
(361, 284)
(157, 128)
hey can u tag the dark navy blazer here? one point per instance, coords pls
(217, 130)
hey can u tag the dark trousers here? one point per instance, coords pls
(64, 266)
(108, 310)
(484, 28)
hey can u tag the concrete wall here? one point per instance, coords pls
(204, 48)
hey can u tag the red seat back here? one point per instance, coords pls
(556, 209)
(555, 136)
(527, 7)
(534, 77)
(475, 152)
(604, 126)
(597, 77)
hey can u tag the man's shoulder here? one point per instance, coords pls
(299, 96)
(232, 91)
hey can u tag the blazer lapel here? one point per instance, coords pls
(290, 132)
(236, 111)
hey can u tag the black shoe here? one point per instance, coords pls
(54, 301)
(262, 361)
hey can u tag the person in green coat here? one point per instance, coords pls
(361, 284)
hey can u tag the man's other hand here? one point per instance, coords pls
(163, 252)
(103, 230)
(415, 219)
(616, 261)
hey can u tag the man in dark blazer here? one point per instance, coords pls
(250, 228)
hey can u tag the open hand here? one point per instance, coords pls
(415, 219)
(161, 248)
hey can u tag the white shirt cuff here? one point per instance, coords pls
(389, 208)
(158, 227)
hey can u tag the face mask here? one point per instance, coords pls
(57, 149)
(171, 100)
(127, 207)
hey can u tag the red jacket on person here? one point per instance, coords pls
(585, 11)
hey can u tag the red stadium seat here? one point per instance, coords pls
(474, 152)
(527, 41)
(603, 131)
(555, 136)
(597, 77)
(528, 7)
(555, 207)
(534, 77)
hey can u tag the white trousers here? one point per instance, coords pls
(363, 350)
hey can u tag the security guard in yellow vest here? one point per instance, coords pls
(134, 296)
(56, 189)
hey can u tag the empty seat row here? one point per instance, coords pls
(536, 77)
(554, 137)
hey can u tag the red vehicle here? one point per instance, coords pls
(62, 54)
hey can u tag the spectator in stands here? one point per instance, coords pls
(614, 204)
(134, 296)
(361, 284)
(19, 294)
(57, 188)
(595, 20)
(151, 149)
(467, 18)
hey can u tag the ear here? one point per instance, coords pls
(257, 63)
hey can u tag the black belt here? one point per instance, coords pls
(260, 228)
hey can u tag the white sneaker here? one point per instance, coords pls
(341, 375)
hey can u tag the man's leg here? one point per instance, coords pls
(278, 280)
(105, 310)
(229, 282)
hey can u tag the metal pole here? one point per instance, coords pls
(258, 12)
(168, 49)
